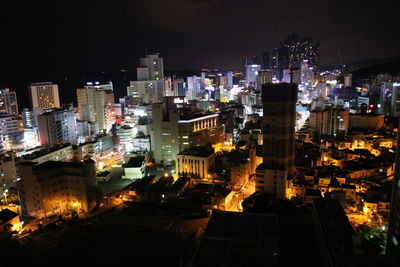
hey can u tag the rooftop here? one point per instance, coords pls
(241, 225)
(135, 162)
(6, 215)
(198, 151)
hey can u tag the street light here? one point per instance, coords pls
(5, 195)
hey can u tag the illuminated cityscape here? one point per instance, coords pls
(200, 133)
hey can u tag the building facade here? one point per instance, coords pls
(173, 132)
(279, 104)
(8, 102)
(44, 95)
(330, 121)
(57, 127)
(198, 162)
(56, 187)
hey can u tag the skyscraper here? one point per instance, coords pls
(279, 104)
(96, 105)
(57, 127)
(44, 95)
(265, 61)
(149, 87)
(251, 73)
(8, 102)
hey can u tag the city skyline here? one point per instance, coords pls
(59, 38)
(200, 133)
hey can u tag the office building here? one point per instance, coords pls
(44, 95)
(151, 91)
(149, 86)
(57, 127)
(151, 68)
(278, 125)
(8, 102)
(175, 130)
(96, 105)
(29, 117)
(251, 74)
(9, 130)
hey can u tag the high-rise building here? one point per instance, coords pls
(251, 74)
(295, 49)
(146, 91)
(393, 237)
(306, 72)
(56, 127)
(265, 61)
(8, 102)
(151, 68)
(44, 95)
(175, 130)
(96, 105)
(9, 130)
(263, 77)
(279, 119)
(330, 121)
(149, 87)
(195, 86)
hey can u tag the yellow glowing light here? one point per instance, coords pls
(365, 209)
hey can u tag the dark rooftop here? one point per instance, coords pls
(241, 226)
(6, 215)
(198, 151)
(135, 162)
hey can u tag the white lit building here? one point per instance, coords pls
(96, 105)
(149, 87)
(57, 127)
(44, 95)
(251, 73)
(8, 102)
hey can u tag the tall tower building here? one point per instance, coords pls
(251, 73)
(8, 102)
(151, 68)
(44, 95)
(96, 105)
(149, 87)
(279, 104)
(57, 127)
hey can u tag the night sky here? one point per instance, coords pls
(44, 38)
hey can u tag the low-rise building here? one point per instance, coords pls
(196, 161)
(135, 168)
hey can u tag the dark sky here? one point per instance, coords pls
(64, 36)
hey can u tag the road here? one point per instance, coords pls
(115, 184)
